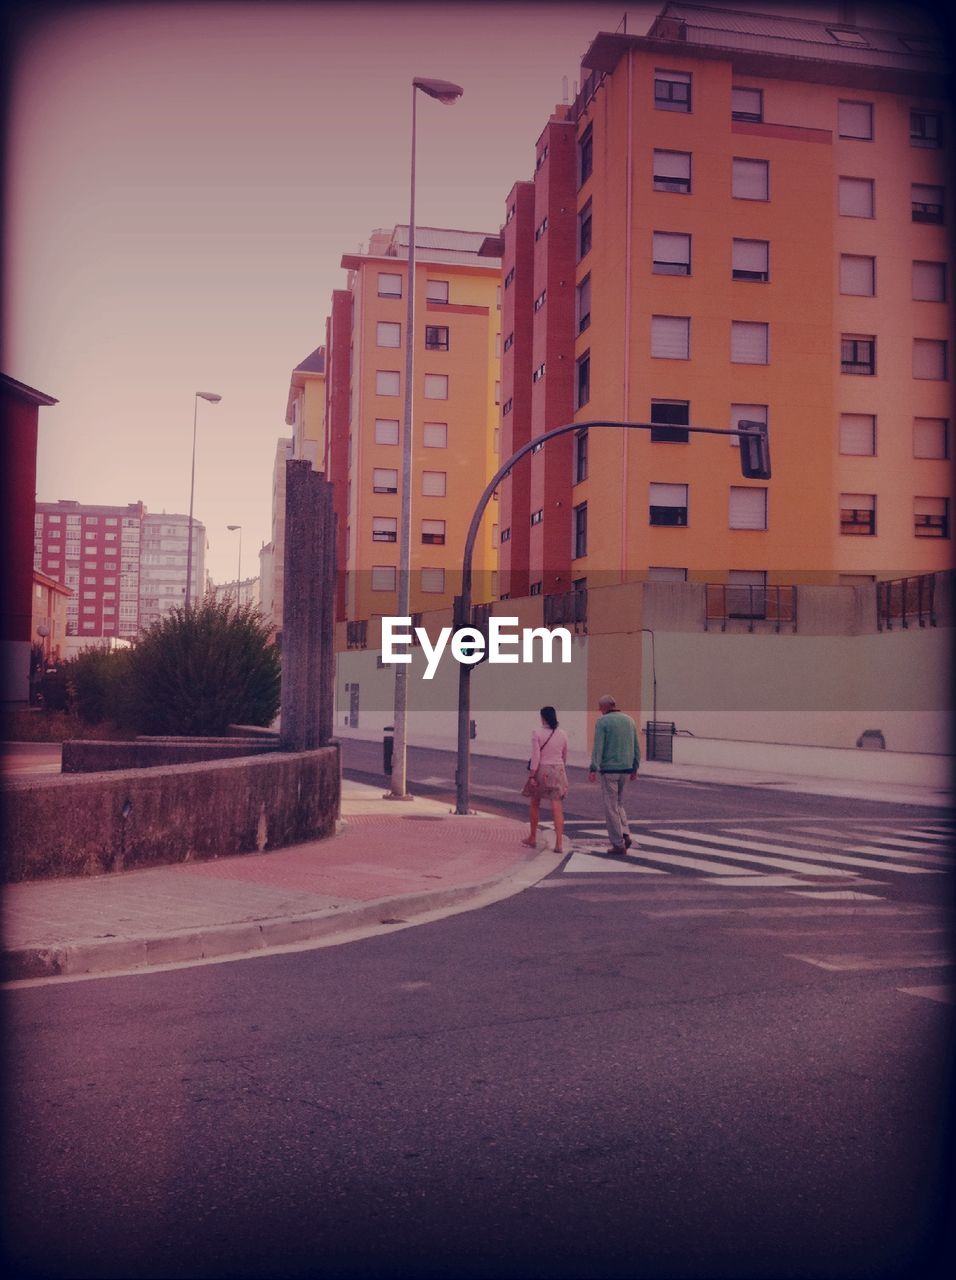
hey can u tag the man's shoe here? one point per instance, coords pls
(627, 841)
(616, 851)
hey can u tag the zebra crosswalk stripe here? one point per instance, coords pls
(843, 860)
(849, 857)
(737, 853)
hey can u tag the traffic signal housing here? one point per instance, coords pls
(754, 450)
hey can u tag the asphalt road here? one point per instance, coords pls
(613, 1074)
(496, 785)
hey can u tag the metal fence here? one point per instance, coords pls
(727, 602)
(905, 601)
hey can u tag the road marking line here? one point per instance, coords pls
(903, 855)
(863, 963)
(744, 845)
(837, 893)
(649, 852)
(582, 861)
(943, 995)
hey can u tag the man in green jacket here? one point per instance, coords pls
(616, 757)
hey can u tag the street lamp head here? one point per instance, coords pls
(210, 396)
(443, 90)
(233, 527)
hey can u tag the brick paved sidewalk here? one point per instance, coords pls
(399, 862)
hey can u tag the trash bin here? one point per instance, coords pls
(388, 745)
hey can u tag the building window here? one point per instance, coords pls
(435, 435)
(929, 359)
(668, 504)
(436, 337)
(535, 588)
(926, 129)
(386, 431)
(664, 573)
(537, 516)
(436, 290)
(672, 90)
(748, 508)
(509, 278)
(929, 281)
(433, 581)
(749, 342)
(843, 35)
(385, 480)
(858, 434)
(511, 214)
(436, 386)
(672, 171)
(857, 275)
(541, 157)
(580, 530)
(858, 514)
(673, 414)
(580, 457)
(389, 286)
(858, 354)
(384, 529)
(538, 373)
(507, 407)
(671, 252)
(541, 228)
(928, 203)
(855, 120)
(750, 179)
(536, 449)
(746, 104)
(583, 382)
(585, 155)
(541, 299)
(506, 535)
(751, 260)
(509, 342)
(584, 231)
(383, 577)
(433, 533)
(584, 303)
(670, 337)
(931, 517)
(434, 484)
(388, 334)
(931, 438)
(387, 382)
(856, 197)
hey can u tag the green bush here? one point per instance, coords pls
(100, 686)
(203, 667)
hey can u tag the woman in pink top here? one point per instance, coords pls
(547, 779)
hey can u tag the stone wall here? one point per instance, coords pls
(91, 824)
(82, 756)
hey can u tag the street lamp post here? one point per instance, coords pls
(445, 92)
(213, 398)
(232, 529)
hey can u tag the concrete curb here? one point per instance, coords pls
(247, 938)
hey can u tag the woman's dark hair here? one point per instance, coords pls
(550, 717)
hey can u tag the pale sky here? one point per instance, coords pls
(182, 181)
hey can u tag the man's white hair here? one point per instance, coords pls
(607, 701)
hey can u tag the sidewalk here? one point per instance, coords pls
(392, 863)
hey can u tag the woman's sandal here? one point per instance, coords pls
(531, 844)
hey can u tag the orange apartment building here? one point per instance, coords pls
(455, 418)
(740, 217)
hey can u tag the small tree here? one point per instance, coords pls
(203, 667)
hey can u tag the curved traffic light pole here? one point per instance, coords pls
(755, 466)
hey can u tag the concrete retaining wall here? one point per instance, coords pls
(75, 825)
(83, 756)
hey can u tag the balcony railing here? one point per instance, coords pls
(568, 609)
(729, 602)
(905, 601)
(356, 634)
